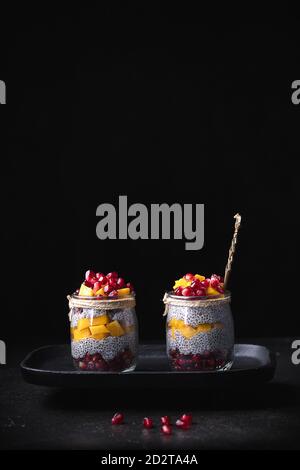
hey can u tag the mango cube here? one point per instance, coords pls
(123, 292)
(181, 283)
(212, 291)
(86, 291)
(99, 329)
(83, 323)
(198, 276)
(115, 328)
(100, 291)
(102, 320)
(78, 335)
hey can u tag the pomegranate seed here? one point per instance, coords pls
(117, 418)
(148, 423)
(215, 276)
(187, 418)
(113, 293)
(200, 292)
(205, 283)
(112, 282)
(120, 283)
(88, 284)
(107, 289)
(196, 358)
(173, 352)
(103, 279)
(211, 363)
(89, 275)
(77, 291)
(98, 275)
(189, 277)
(82, 365)
(182, 424)
(166, 429)
(112, 275)
(196, 284)
(98, 365)
(187, 292)
(165, 420)
(220, 289)
(130, 286)
(96, 287)
(214, 282)
(178, 291)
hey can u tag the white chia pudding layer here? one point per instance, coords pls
(219, 338)
(125, 316)
(109, 347)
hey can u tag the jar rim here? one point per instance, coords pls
(204, 298)
(97, 299)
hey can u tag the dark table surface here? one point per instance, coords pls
(261, 417)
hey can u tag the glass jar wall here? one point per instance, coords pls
(104, 333)
(200, 332)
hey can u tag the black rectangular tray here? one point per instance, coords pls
(52, 366)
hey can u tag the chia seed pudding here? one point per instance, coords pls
(200, 331)
(104, 332)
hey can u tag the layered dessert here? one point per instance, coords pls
(103, 323)
(200, 334)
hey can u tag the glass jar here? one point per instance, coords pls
(104, 333)
(200, 332)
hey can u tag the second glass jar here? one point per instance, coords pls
(200, 332)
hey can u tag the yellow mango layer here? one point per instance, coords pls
(99, 329)
(102, 320)
(115, 328)
(78, 335)
(86, 291)
(188, 331)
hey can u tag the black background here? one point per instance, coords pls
(161, 107)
